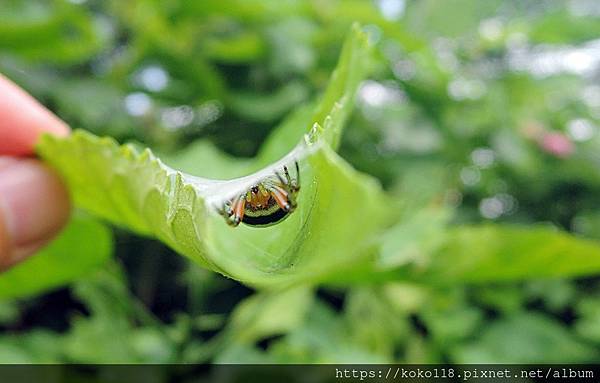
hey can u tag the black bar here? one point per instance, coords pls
(327, 373)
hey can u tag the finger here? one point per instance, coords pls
(34, 205)
(21, 253)
(23, 120)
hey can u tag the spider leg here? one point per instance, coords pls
(224, 209)
(227, 212)
(297, 183)
(283, 182)
(287, 175)
(281, 197)
(291, 184)
(238, 211)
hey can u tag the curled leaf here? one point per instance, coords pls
(339, 210)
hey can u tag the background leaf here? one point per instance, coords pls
(498, 253)
(526, 339)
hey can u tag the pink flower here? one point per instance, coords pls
(556, 144)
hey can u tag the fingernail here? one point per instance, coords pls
(33, 202)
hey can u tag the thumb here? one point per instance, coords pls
(33, 207)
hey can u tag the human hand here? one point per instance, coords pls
(34, 204)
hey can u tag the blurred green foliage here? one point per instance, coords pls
(476, 112)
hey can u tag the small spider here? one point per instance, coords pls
(270, 201)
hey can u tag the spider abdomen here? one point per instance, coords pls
(261, 215)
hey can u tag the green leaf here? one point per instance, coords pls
(79, 249)
(339, 210)
(489, 253)
(587, 325)
(270, 313)
(34, 346)
(339, 96)
(414, 238)
(265, 108)
(119, 328)
(323, 336)
(373, 321)
(61, 33)
(525, 338)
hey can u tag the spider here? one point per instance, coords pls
(268, 202)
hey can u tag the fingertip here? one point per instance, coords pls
(34, 206)
(23, 120)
